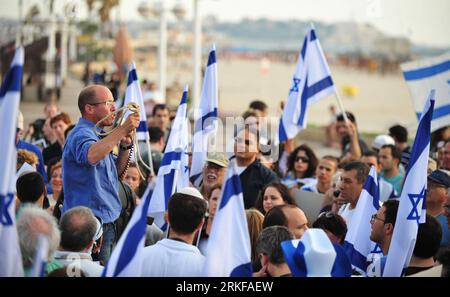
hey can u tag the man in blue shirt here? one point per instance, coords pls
(90, 170)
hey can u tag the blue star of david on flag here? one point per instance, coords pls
(376, 249)
(415, 200)
(5, 202)
(295, 83)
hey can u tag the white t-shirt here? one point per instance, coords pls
(241, 169)
(346, 213)
(172, 258)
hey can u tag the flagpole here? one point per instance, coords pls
(341, 106)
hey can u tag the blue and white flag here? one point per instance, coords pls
(412, 207)
(357, 244)
(40, 258)
(173, 172)
(126, 258)
(10, 259)
(134, 94)
(206, 122)
(424, 75)
(228, 250)
(311, 82)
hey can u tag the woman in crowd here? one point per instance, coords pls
(56, 182)
(272, 195)
(301, 165)
(132, 177)
(213, 199)
(254, 221)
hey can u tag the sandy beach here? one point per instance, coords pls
(381, 100)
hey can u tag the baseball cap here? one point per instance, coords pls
(218, 159)
(381, 140)
(440, 177)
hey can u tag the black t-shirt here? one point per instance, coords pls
(253, 179)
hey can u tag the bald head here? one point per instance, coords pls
(89, 95)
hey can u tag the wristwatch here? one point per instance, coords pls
(125, 148)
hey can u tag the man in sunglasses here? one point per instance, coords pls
(90, 170)
(254, 176)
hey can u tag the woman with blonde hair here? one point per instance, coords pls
(254, 221)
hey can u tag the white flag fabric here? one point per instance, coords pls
(311, 82)
(126, 258)
(40, 258)
(228, 250)
(424, 75)
(357, 242)
(411, 210)
(173, 172)
(206, 123)
(134, 94)
(10, 257)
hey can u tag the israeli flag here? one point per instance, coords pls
(10, 259)
(126, 258)
(173, 173)
(206, 122)
(311, 82)
(412, 207)
(40, 258)
(424, 75)
(228, 250)
(357, 244)
(134, 94)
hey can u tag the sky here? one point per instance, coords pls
(425, 22)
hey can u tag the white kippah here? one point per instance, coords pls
(191, 192)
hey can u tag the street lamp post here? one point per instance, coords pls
(162, 49)
(197, 55)
(161, 10)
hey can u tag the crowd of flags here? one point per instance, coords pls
(228, 249)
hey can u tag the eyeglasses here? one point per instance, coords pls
(303, 159)
(374, 217)
(108, 103)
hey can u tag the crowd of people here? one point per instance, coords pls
(80, 189)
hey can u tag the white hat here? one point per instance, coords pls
(315, 256)
(381, 140)
(191, 192)
(20, 120)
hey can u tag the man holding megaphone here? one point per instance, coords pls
(90, 169)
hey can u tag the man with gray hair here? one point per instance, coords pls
(79, 229)
(31, 224)
(268, 246)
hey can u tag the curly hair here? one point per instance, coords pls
(312, 164)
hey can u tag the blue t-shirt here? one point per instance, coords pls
(90, 185)
(442, 219)
(22, 145)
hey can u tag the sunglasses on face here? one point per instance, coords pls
(303, 159)
(327, 214)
